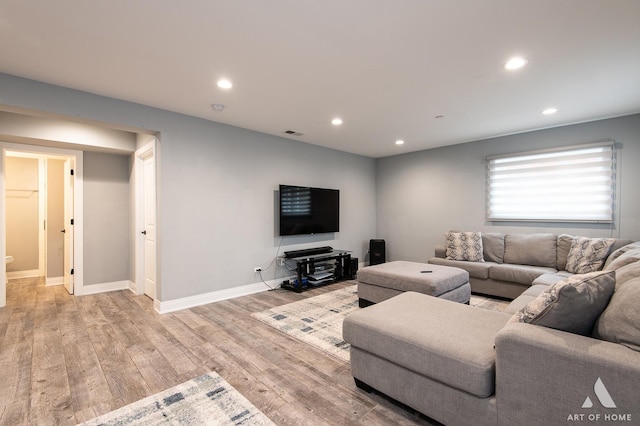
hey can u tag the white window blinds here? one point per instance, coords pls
(574, 184)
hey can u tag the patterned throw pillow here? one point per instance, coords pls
(572, 305)
(587, 254)
(464, 246)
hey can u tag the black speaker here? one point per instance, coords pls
(377, 252)
(353, 268)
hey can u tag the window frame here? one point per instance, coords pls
(490, 187)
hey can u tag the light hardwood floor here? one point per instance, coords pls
(67, 359)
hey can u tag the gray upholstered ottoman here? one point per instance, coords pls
(432, 355)
(380, 282)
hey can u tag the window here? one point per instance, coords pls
(574, 184)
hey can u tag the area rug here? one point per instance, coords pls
(317, 320)
(207, 399)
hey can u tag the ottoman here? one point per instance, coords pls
(435, 356)
(386, 280)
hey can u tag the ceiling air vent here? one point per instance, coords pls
(293, 133)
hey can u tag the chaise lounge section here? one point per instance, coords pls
(570, 353)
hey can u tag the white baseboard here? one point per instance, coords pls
(33, 273)
(214, 296)
(103, 288)
(51, 281)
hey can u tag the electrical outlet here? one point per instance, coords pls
(257, 269)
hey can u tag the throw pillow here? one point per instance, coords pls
(573, 304)
(588, 254)
(620, 322)
(493, 247)
(464, 246)
(562, 251)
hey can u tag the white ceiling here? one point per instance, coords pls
(387, 68)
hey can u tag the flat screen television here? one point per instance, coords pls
(306, 210)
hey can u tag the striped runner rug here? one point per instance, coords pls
(205, 400)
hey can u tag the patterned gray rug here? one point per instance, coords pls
(207, 399)
(317, 320)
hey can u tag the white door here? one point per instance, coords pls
(149, 231)
(68, 226)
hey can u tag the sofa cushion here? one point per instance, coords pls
(551, 279)
(623, 257)
(530, 249)
(562, 251)
(588, 254)
(521, 274)
(528, 296)
(447, 342)
(475, 269)
(464, 246)
(572, 305)
(493, 247)
(627, 273)
(620, 247)
(620, 322)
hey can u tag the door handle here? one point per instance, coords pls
(144, 232)
(63, 231)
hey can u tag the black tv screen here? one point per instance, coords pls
(306, 210)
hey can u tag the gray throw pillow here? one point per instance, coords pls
(620, 322)
(588, 254)
(493, 247)
(464, 246)
(562, 251)
(573, 304)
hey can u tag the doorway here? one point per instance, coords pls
(146, 235)
(69, 246)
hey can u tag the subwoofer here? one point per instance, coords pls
(353, 268)
(377, 252)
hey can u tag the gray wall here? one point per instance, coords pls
(106, 218)
(218, 187)
(216, 191)
(424, 194)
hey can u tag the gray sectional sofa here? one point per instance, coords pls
(462, 365)
(511, 263)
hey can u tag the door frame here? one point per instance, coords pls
(141, 154)
(78, 236)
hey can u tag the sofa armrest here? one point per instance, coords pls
(546, 376)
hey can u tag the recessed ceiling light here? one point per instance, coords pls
(550, 111)
(515, 63)
(399, 142)
(336, 121)
(224, 84)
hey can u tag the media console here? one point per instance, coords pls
(315, 268)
